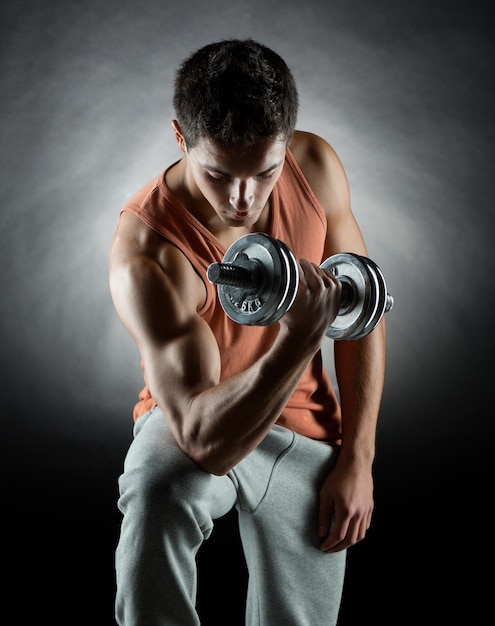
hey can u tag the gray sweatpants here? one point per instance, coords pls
(169, 506)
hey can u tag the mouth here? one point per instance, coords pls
(250, 214)
(237, 216)
(241, 217)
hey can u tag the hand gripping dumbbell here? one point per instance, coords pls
(258, 277)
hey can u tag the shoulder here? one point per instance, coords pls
(317, 159)
(323, 170)
(325, 174)
(142, 261)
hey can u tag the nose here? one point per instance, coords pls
(242, 195)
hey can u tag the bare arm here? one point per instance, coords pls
(347, 495)
(346, 498)
(215, 423)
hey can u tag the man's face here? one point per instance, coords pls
(236, 184)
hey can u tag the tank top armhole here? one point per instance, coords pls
(197, 266)
(209, 304)
(298, 173)
(200, 270)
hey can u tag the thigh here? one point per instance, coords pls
(284, 473)
(159, 470)
(291, 581)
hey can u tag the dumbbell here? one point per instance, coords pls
(258, 277)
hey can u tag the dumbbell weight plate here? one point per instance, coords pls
(381, 296)
(271, 299)
(288, 289)
(369, 312)
(353, 318)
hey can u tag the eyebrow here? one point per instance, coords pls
(211, 168)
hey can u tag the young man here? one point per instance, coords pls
(235, 415)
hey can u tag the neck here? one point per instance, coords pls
(194, 201)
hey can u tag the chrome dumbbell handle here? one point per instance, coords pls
(234, 275)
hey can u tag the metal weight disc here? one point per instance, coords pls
(273, 296)
(288, 288)
(379, 309)
(352, 319)
(369, 313)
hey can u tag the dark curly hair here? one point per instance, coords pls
(237, 92)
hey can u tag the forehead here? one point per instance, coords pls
(239, 161)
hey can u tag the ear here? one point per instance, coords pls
(179, 137)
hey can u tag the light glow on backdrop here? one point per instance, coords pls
(403, 91)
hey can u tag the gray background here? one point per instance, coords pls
(404, 92)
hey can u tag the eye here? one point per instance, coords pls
(266, 176)
(217, 178)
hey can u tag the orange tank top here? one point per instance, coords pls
(295, 218)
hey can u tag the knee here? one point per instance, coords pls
(165, 484)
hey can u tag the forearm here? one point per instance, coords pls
(360, 370)
(226, 421)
